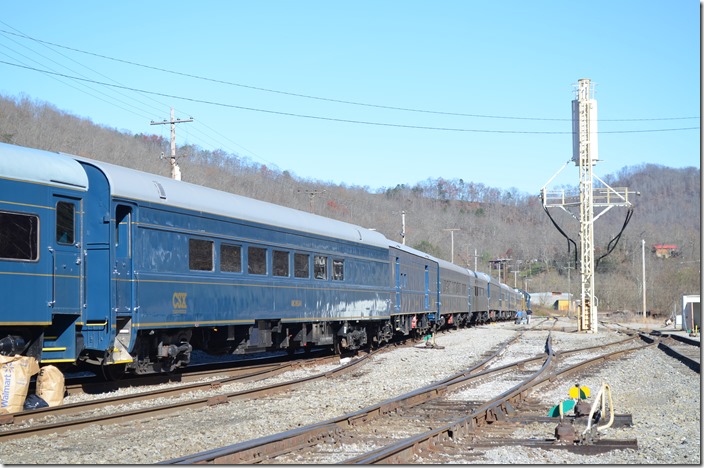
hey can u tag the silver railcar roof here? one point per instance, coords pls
(452, 266)
(442, 263)
(136, 185)
(483, 276)
(411, 250)
(42, 167)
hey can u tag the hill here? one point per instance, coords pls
(489, 223)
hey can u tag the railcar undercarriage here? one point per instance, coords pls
(164, 351)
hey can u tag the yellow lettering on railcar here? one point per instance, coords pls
(296, 303)
(178, 300)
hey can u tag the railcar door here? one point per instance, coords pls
(427, 288)
(123, 271)
(66, 256)
(397, 282)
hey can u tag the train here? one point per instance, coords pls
(126, 271)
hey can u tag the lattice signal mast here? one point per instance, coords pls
(585, 155)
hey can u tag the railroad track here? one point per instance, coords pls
(73, 416)
(193, 373)
(78, 415)
(426, 413)
(683, 348)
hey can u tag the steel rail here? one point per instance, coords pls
(495, 410)
(63, 426)
(192, 373)
(256, 450)
(236, 375)
(665, 344)
(685, 357)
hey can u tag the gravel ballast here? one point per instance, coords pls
(661, 394)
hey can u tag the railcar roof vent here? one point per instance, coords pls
(160, 189)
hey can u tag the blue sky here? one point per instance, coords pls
(509, 67)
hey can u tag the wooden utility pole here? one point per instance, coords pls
(403, 227)
(175, 170)
(311, 195)
(452, 243)
(643, 255)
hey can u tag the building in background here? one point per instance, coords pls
(560, 301)
(691, 313)
(665, 250)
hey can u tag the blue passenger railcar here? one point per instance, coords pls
(191, 266)
(415, 283)
(494, 295)
(516, 301)
(108, 266)
(454, 294)
(508, 302)
(480, 298)
(41, 258)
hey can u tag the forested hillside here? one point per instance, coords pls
(496, 223)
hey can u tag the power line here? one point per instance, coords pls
(104, 99)
(76, 62)
(214, 142)
(307, 96)
(332, 119)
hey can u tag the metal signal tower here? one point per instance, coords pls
(587, 315)
(585, 155)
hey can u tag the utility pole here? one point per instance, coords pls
(403, 225)
(311, 196)
(643, 255)
(569, 289)
(585, 156)
(175, 170)
(502, 267)
(452, 243)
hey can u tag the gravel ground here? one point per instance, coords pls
(661, 394)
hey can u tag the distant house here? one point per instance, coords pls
(665, 250)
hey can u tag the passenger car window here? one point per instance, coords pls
(200, 254)
(338, 270)
(256, 260)
(19, 236)
(280, 263)
(123, 239)
(230, 258)
(65, 223)
(300, 265)
(320, 267)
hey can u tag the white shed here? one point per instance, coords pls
(691, 312)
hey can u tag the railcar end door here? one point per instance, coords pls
(66, 253)
(397, 281)
(123, 272)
